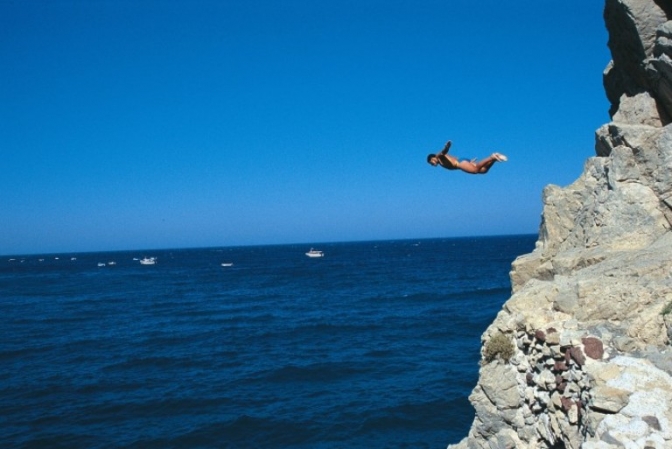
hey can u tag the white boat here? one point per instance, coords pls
(148, 261)
(101, 264)
(227, 264)
(314, 253)
(112, 263)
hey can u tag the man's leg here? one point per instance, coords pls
(486, 163)
(484, 166)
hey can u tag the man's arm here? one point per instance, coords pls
(446, 148)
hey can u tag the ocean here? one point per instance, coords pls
(374, 345)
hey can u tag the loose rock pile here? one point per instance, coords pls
(568, 389)
(557, 390)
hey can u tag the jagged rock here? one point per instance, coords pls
(500, 385)
(530, 266)
(573, 414)
(576, 354)
(593, 348)
(659, 70)
(632, 26)
(571, 436)
(567, 404)
(640, 109)
(552, 337)
(507, 439)
(593, 365)
(609, 399)
(652, 422)
(601, 373)
(546, 380)
(543, 428)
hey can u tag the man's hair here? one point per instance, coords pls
(429, 158)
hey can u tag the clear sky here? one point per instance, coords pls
(164, 124)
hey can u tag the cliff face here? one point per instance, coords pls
(588, 320)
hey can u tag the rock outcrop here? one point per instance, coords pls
(590, 318)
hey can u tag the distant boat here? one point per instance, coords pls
(148, 261)
(227, 264)
(112, 263)
(314, 253)
(101, 264)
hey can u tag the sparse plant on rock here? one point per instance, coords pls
(667, 320)
(667, 309)
(499, 346)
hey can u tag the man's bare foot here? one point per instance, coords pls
(500, 157)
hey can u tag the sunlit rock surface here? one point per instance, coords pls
(589, 315)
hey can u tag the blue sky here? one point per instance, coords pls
(166, 124)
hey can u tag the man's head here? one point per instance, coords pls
(432, 159)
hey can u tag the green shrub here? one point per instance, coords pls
(499, 346)
(667, 309)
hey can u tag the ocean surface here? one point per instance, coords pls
(375, 345)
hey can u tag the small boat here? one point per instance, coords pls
(314, 253)
(148, 261)
(112, 263)
(101, 264)
(227, 264)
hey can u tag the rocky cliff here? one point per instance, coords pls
(580, 354)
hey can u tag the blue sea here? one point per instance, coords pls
(375, 345)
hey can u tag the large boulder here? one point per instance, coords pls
(639, 40)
